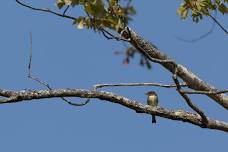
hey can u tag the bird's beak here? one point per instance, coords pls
(146, 93)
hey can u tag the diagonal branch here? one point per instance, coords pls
(180, 115)
(64, 12)
(217, 22)
(188, 100)
(157, 56)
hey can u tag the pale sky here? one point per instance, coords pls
(66, 57)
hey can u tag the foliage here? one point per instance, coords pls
(101, 13)
(200, 8)
(115, 14)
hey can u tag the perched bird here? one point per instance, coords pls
(152, 100)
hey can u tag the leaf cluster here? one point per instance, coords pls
(200, 8)
(101, 13)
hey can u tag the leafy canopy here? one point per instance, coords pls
(101, 13)
(200, 8)
(115, 14)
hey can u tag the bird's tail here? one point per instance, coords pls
(153, 119)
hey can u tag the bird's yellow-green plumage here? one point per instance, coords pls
(152, 100)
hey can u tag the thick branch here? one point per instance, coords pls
(17, 96)
(156, 55)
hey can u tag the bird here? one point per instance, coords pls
(152, 100)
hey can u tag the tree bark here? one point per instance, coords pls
(179, 115)
(156, 55)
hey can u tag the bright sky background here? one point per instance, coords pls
(69, 58)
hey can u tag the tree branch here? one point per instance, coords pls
(217, 22)
(156, 55)
(36, 79)
(188, 100)
(45, 10)
(95, 87)
(203, 35)
(180, 115)
(153, 54)
(204, 92)
(108, 35)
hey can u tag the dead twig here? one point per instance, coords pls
(202, 36)
(36, 79)
(97, 86)
(46, 10)
(204, 92)
(64, 12)
(217, 22)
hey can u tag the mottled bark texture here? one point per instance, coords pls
(179, 115)
(156, 55)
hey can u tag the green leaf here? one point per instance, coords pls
(223, 9)
(60, 3)
(183, 12)
(95, 8)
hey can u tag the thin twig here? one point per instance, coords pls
(217, 22)
(158, 60)
(97, 86)
(202, 36)
(110, 36)
(204, 92)
(45, 10)
(198, 38)
(188, 100)
(66, 10)
(42, 82)
(30, 54)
